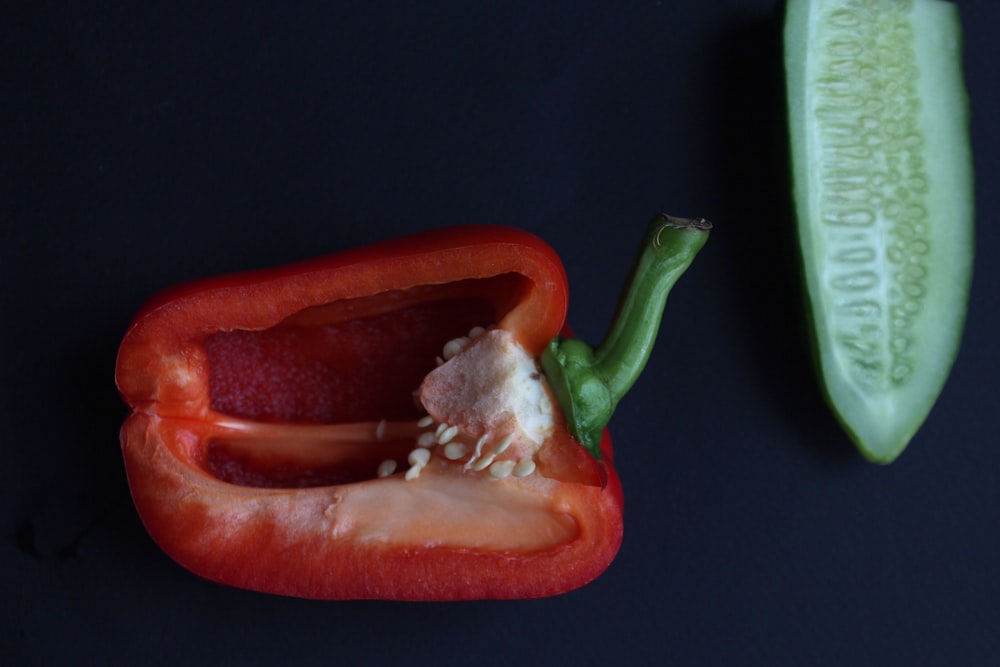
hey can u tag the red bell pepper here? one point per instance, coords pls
(300, 431)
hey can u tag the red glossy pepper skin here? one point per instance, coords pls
(343, 538)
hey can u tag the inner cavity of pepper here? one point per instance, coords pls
(356, 361)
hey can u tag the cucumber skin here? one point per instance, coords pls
(880, 414)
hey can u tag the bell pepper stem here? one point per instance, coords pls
(589, 383)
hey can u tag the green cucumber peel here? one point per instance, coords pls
(589, 383)
(883, 191)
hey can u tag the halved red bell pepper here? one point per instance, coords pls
(280, 439)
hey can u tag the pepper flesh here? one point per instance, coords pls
(236, 384)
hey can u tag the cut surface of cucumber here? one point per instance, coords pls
(882, 185)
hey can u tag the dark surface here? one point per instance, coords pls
(147, 143)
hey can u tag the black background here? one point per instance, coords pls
(146, 143)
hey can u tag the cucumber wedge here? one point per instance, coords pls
(882, 185)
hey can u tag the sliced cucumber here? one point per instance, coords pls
(882, 183)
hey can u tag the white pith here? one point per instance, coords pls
(488, 406)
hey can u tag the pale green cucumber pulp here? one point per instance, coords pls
(882, 185)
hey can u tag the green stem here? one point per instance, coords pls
(588, 384)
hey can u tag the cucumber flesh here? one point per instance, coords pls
(882, 185)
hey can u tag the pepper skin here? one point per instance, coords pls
(265, 403)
